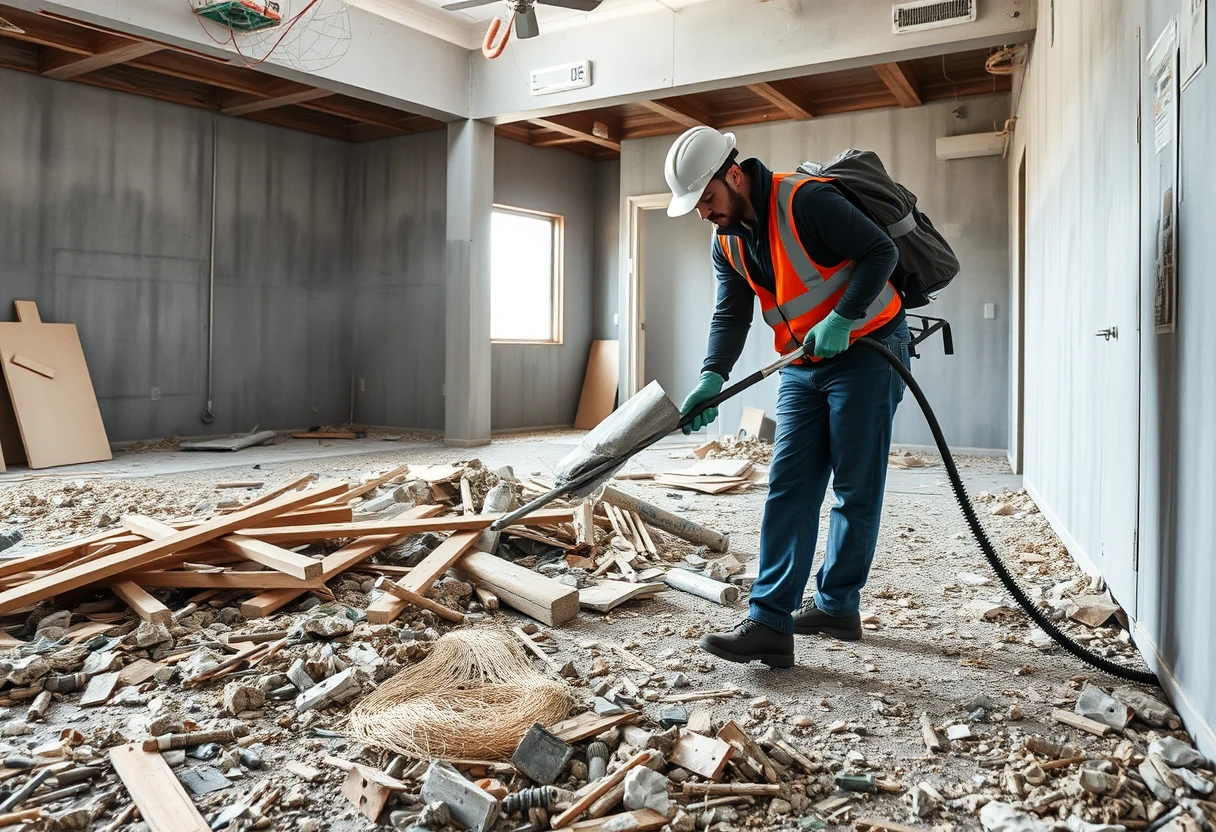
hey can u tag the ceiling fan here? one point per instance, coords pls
(523, 14)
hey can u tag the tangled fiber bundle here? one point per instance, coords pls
(473, 697)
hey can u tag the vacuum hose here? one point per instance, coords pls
(981, 537)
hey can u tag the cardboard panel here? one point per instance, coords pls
(599, 385)
(58, 417)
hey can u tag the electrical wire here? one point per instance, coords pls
(231, 39)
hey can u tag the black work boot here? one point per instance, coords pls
(751, 641)
(810, 619)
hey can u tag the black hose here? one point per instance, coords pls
(981, 537)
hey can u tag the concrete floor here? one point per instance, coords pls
(864, 697)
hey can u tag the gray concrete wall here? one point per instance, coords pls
(538, 385)
(105, 204)
(607, 248)
(398, 201)
(967, 201)
(1079, 190)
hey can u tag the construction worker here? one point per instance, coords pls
(821, 270)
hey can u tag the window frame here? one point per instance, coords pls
(557, 270)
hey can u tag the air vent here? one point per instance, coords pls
(931, 14)
(5, 26)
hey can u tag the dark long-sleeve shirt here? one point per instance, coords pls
(831, 230)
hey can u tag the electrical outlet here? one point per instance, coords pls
(155, 394)
(989, 311)
(362, 385)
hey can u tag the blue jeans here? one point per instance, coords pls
(833, 418)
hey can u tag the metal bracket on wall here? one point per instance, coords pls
(928, 326)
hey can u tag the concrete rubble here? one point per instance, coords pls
(258, 742)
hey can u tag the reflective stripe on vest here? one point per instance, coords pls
(807, 291)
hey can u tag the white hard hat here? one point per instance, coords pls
(693, 160)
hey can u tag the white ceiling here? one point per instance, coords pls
(469, 26)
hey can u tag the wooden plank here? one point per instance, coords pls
(608, 595)
(641, 820)
(647, 540)
(542, 598)
(113, 50)
(599, 789)
(932, 741)
(585, 127)
(289, 563)
(325, 531)
(59, 419)
(243, 105)
(138, 672)
(34, 366)
(680, 111)
(27, 311)
(785, 96)
(599, 384)
(1083, 723)
(903, 82)
(144, 605)
(587, 724)
(231, 579)
(99, 569)
(270, 495)
(335, 564)
(534, 648)
(162, 801)
(732, 732)
(706, 756)
(417, 600)
(386, 608)
(372, 485)
(55, 554)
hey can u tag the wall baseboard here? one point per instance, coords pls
(1200, 730)
(1078, 554)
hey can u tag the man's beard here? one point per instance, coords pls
(736, 210)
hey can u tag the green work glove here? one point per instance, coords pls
(709, 386)
(830, 337)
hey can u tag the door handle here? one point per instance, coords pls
(1108, 333)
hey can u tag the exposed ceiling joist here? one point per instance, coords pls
(785, 96)
(111, 50)
(585, 127)
(232, 107)
(678, 110)
(903, 82)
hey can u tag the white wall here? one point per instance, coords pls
(967, 201)
(1074, 189)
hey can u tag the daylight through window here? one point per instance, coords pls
(525, 276)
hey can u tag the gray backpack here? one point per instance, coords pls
(926, 262)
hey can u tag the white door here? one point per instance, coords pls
(1119, 327)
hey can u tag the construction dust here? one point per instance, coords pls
(953, 713)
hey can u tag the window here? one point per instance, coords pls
(525, 276)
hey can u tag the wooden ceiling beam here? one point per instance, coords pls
(399, 121)
(44, 32)
(680, 111)
(24, 57)
(785, 96)
(588, 127)
(110, 51)
(903, 82)
(243, 105)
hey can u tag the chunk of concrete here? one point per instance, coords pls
(646, 789)
(541, 755)
(476, 808)
(1176, 752)
(333, 690)
(240, 697)
(1149, 709)
(150, 634)
(1002, 817)
(1096, 704)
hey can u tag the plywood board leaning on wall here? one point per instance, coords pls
(599, 385)
(55, 407)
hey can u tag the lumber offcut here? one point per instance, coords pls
(386, 608)
(462, 523)
(98, 569)
(162, 801)
(681, 527)
(543, 598)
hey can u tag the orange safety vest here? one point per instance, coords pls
(806, 291)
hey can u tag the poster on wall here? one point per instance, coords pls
(1163, 86)
(1163, 75)
(1192, 39)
